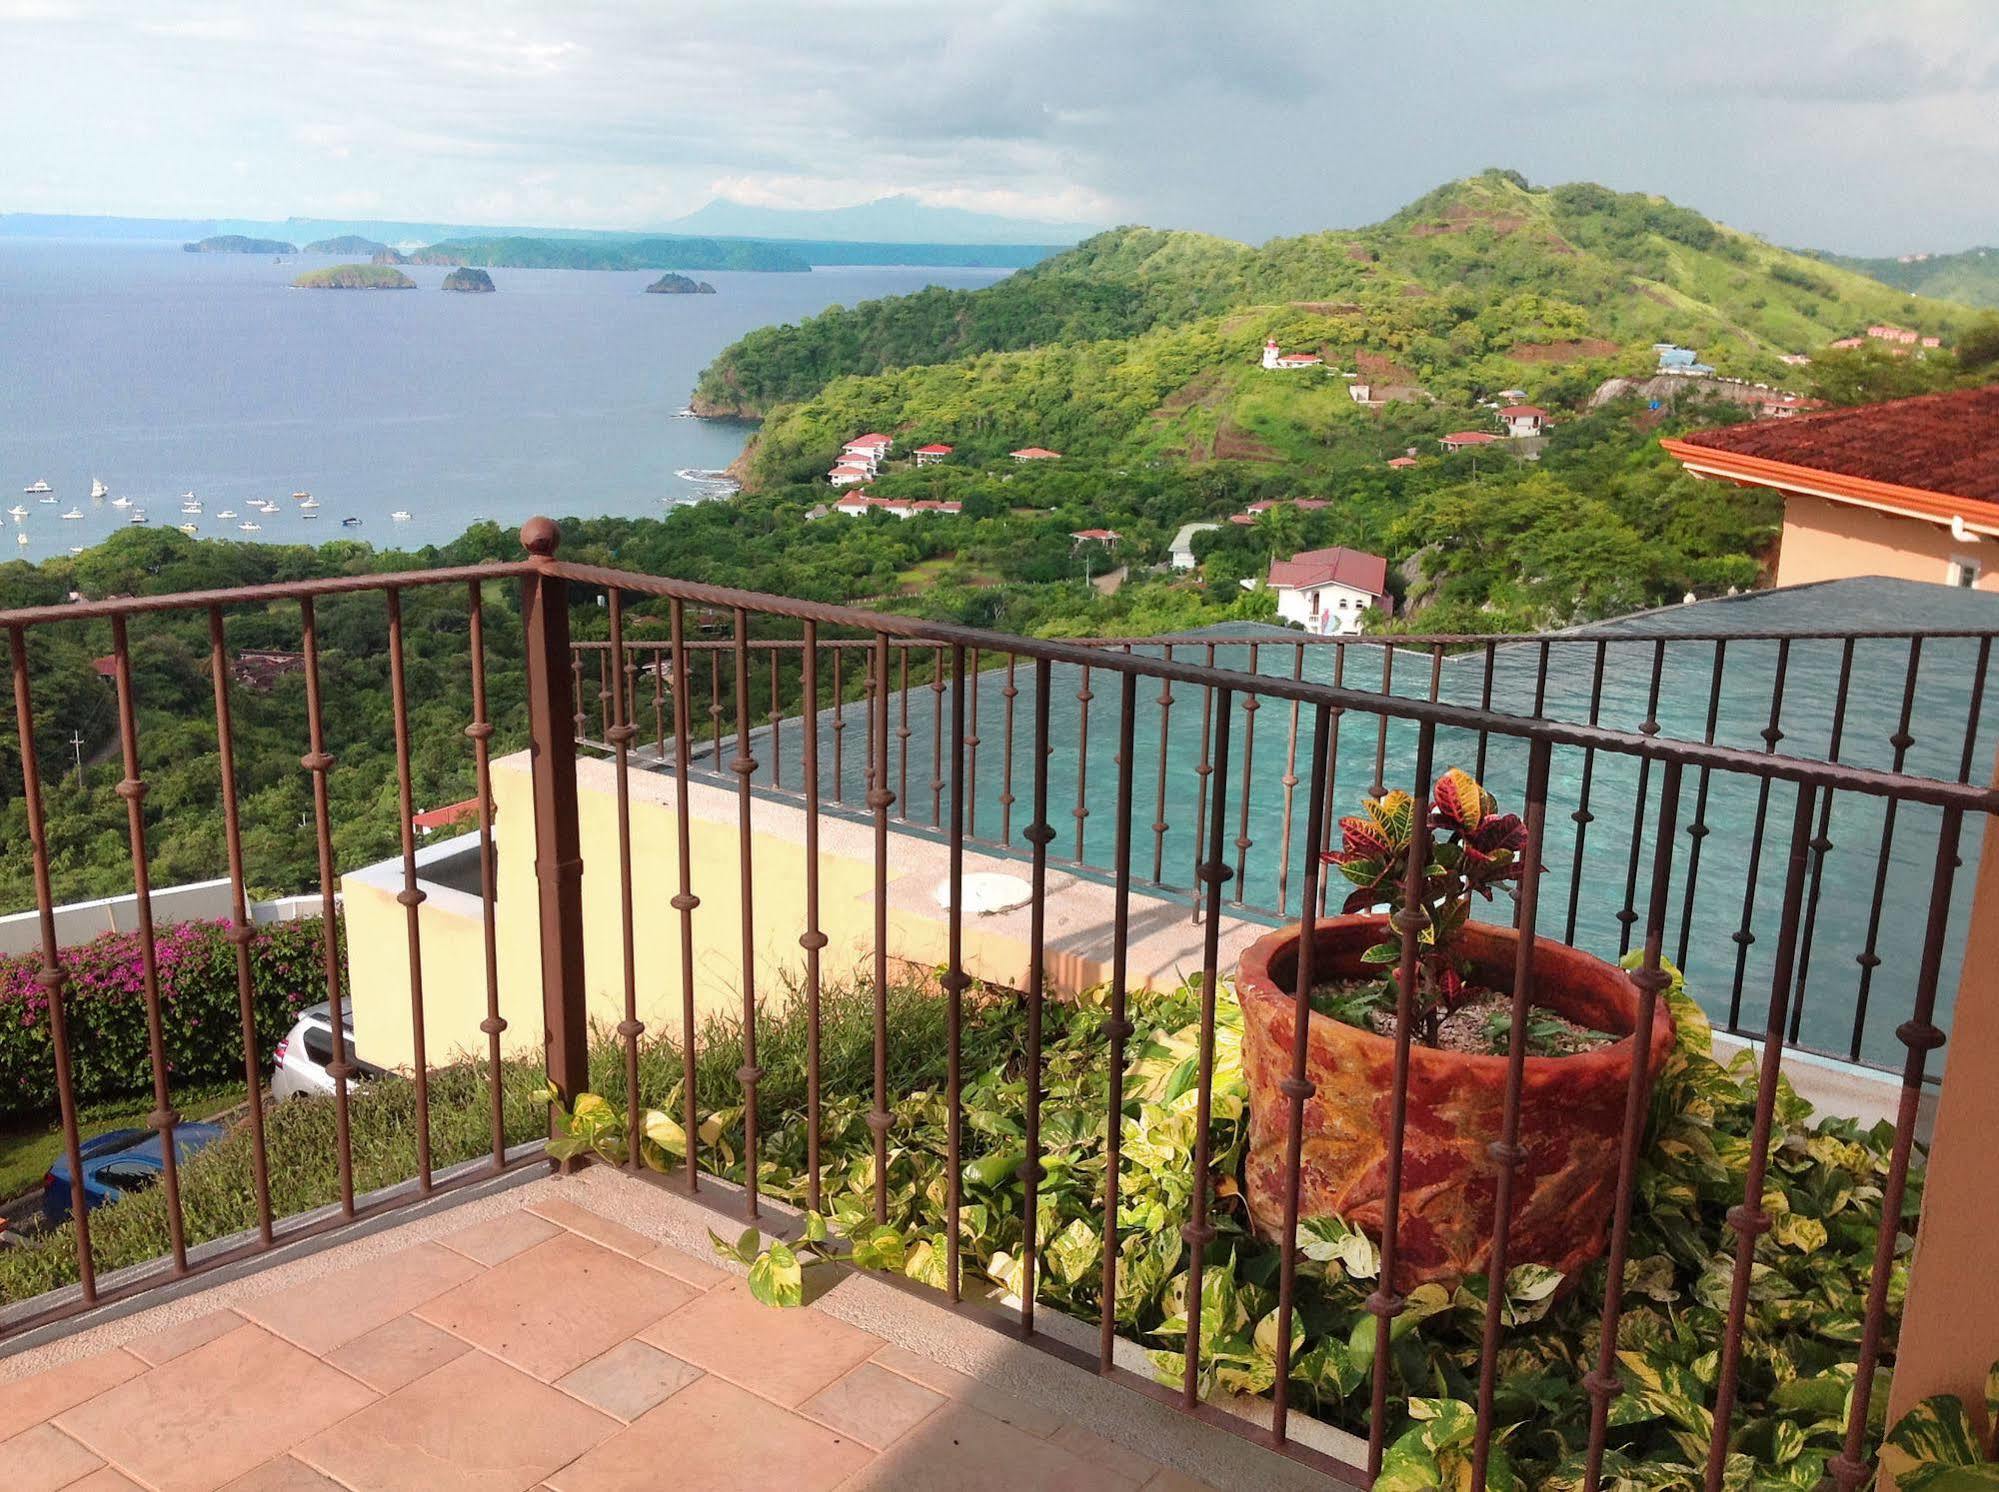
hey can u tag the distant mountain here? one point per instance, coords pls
(1971, 277)
(888, 220)
(236, 243)
(346, 243)
(638, 253)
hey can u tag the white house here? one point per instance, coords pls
(1035, 453)
(932, 454)
(1360, 393)
(1524, 420)
(848, 473)
(1328, 590)
(860, 504)
(1275, 357)
(870, 447)
(1460, 440)
(1107, 537)
(1183, 543)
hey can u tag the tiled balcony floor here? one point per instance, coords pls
(540, 1345)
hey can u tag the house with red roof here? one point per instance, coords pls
(1465, 439)
(1035, 453)
(1401, 463)
(433, 819)
(1524, 420)
(873, 445)
(930, 455)
(848, 473)
(1275, 357)
(1783, 406)
(1328, 591)
(1908, 489)
(1107, 537)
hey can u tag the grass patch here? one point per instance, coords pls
(30, 1144)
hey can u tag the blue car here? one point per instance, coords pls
(117, 1164)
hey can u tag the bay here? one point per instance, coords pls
(159, 372)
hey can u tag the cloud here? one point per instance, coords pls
(1855, 127)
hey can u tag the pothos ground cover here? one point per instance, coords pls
(1806, 1295)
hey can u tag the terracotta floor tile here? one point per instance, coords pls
(595, 1228)
(557, 1306)
(1008, 1408)
(255, 1393)
(1105, 1452)
(285, 1474)
(872, 1405)
(1166, 1479)
(28, 1401)
(501, 1237)
(43, 1459)
(321, 1314)
(685, 1267)
(785, 1355)
(714, 1437)
(161, 1346)
(474, 1424)
(961, 1448)
(396, 1352)
(105, 1479)
(628, 1380)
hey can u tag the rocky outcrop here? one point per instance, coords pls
(672, 284)
(469, 281)
(355, 277)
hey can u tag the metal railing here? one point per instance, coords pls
(880, 665)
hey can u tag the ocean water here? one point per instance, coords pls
(161, 372)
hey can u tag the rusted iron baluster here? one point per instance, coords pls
(1333, 765)
(1297, 1088)
(1868, 958)
(1505, 1151)
(1159, 825)
(1582, 817)
(715, 705)
(1082, 809)
(1381, 722)
(1009, 693)
(902, 734)
(1697, 831)
(1250, 705)
(579, 719)
(1977, 710)
(1203, 770)
(1745, 934)
(1383, 1303)
(972, 755)
(1627, 914)
(776, 726)
(1197, 1231)
(880, 799)
(1649, 978)
(411, 897)
(839, 729)
(744, 766)
(318, 762)
(1749, 1219)
(955, 981)
(1920, 1036)
(937, 741)
(659, 706)
(241, 930)
(684, 900)
(606, 696)
(812, 940)
(53, 979)
(631, 1027)
(1290, 784)
(1038, 833)
(1821, 846)
(481, 733)
(1117, 1029)
(1485, 703)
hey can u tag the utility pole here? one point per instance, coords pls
(76, 745)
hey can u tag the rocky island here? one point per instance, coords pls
(355, 277)
(236, 243)
(469, 281)
(347, 243)
(672, 284)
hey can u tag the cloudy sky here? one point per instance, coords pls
(1865, 127)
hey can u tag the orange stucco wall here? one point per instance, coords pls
(1835, 541)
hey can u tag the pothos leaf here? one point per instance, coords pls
(776, 1278)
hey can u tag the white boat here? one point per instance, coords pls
(73, 513)
(190, 507)
(189, 497)
(250, 528)
(138, 516)
(47, 497)
(76, 549)
(350, 523)
(121, 502)
(399, 516)
(20, 538)
(301, 497)
(309, 501)
(17, 511)
(98, 490)
(308, 516)
(226, 513)
(38, 487)
(187, 528)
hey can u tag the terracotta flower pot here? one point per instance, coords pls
(1571, 1108)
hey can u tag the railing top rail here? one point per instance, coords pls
(1771, 765)
(244, 595)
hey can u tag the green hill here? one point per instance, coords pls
(1145, 345)
(638, 253)
(355, 277)
(236, 243)
(346, 243)
(1971, 277)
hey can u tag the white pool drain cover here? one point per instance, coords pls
(988, 892)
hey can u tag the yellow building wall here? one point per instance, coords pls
(1826, 540)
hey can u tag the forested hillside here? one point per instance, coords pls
(1971, 277)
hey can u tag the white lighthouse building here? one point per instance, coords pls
(1276, 357)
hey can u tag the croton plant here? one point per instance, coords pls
(1473, 849)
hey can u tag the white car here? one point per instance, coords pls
(298, 1067)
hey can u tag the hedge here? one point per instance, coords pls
(106, 1007)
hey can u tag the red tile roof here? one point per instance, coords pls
(939, 450)
(1521, 411)
(870, 439)
(1469, 438)
(1396, 463)
(438, 818)
(1034, 453)
(1101, 535)
(1919, 455)
(1335, 566)
(106, 667)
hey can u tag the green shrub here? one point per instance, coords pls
(106, 1009)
